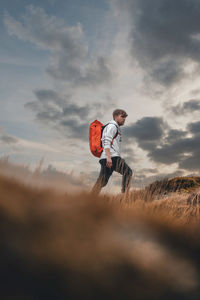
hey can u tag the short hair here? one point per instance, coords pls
(118, 112)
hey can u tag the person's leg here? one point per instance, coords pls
(103, 178)
(122, 168)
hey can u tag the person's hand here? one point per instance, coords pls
(109, 162)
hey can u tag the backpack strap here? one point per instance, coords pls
(114, 136)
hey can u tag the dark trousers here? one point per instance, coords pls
(118, 165)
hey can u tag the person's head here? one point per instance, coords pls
(119, 115)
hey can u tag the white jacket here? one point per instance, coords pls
(107, 136)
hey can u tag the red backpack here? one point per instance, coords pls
(95, 134)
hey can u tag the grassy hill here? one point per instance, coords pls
(176, 184)
(63, 246)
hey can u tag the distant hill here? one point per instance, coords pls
(176, 184)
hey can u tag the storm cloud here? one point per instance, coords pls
(182, 150)
(165, 35)
(147, 128)
(69, 58)
(189, 106)
(147, 131)
(62, 114)
(174, 135)
(56, 111)
(165, 145)
(71, 66)
(194, 128)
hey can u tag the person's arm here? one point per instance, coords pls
(109, 135)
(109, 159)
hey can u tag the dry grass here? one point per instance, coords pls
(177, 184)
(61, 246)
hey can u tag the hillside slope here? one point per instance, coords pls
(176, 184)
(58, 246)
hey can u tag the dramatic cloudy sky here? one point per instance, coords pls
(64, 63)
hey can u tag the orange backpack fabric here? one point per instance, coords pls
(95, 132)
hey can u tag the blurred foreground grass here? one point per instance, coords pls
(61, 246)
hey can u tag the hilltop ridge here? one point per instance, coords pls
(177, 184)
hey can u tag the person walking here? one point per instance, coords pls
(110, 159)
